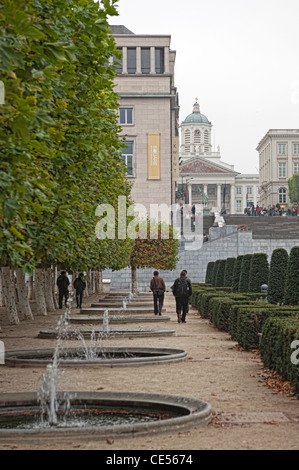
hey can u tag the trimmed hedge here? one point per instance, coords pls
(259, 272)
(228, 273)
(237, 273)
(244, 274)
(292, 281)
(277, 276)
(275, 348)
(209, 272)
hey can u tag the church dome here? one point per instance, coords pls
(196, 117)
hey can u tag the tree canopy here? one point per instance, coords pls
(59, 135)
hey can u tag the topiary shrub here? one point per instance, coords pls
(219, 280)
(244, 274)
(228, 273)
(236, 273)
(259, 272)
(292, 280)
(277, 276)
(209, 272)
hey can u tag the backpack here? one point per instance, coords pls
(182, 288)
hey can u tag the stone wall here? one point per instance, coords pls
(230, 245)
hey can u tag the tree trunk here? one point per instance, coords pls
(22, 295)
(48, 290)
(2, 297)
(10, 296)
(53, 285)
(31, 293)
(134, 280)
(100, 282)
(41, 306)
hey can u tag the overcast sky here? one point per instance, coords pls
(238, 57)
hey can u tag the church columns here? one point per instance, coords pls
(219, 196)
(232, 198)
(190, 193)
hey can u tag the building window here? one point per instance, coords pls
(187, 137)
(131, 60)
(282, 149)
(296, 149)
(118, 62)
(145, 60)
(282, 170)
(159, 60)
(282, 196)
(197, 136)
(238, 189)
(296, 167)
(126, 116)
(249, 190)
(128, 157)
(239, 205)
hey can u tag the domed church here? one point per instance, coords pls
(204, 177)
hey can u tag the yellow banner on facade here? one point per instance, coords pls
(153, 144)
(175, 159)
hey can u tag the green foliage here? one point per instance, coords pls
(237, 273)
(228, 273)
(159, 249)
(276, 347)
(219, 280)
(59, 144)
(277, 276)
(244, 274)
(292, 280)
(293, 184)
(209, 272)
(259, 272)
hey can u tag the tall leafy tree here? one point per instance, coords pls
(156, 248)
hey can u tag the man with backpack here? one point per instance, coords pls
(182, 290)
(79, 285)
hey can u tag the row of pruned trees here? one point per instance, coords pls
(247, 273)
(60, 151)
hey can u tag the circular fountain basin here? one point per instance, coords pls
(104, 357)
(117, 318)
(113, 333)
(118, 311)
(19, 414)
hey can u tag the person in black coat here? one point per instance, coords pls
(79, 285)
(63, 288)
(182, 289)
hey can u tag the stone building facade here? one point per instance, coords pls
(148, 114)
(204, 177)
(278, 161)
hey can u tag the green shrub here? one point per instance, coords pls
(244, 274)
(275, 348)
(214, 272)
(292, 281)
(209, 272)
(259, 272)
(236, 273)
(228, 273)
(219, 281)
(277, 276)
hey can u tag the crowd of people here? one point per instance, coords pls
(275, 210)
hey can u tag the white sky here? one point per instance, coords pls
(239, 57)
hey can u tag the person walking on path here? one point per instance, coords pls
(182, 289)
(158, 288)
(188, 279)
(79, 285)
(63, 284)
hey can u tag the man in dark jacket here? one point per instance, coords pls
(79, 285)
(63, 284)
(158, 288)
(182, 289)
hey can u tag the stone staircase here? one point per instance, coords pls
(285, 227)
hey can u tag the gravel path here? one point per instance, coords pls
(246, 413)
